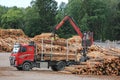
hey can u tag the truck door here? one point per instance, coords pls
(26, 54)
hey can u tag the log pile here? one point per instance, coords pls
(59, 47)
(109, 66)
(13, 33)
(10, 36)
(115, 50)
(94, 48)
(102, 62)
(75, 39)
(44, 36)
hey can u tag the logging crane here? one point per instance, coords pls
(87, 37)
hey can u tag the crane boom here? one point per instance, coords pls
(68, 18)
(87, 37)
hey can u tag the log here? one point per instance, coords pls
(54, 42)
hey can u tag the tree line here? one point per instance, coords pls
(102, 17)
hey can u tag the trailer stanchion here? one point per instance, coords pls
(76, 50)
(42, 50)
(67, 50)
(35, 52)
(51, 53)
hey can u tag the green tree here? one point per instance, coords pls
(73, 9)
(112, 30)
(116, 23)
(64, 30)
(96, 10)
(40, 17)
(3, 10)
(47, 10)
(89, 14)
(32, 23)
(69, 9)
(13, 18)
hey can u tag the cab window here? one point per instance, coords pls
(23, 49)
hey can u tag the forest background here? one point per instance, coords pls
(102, 17)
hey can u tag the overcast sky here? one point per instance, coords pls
(22, 3)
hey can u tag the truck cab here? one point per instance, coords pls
(21, 54)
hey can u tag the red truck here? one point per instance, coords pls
(24, 56)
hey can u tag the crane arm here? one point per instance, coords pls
(87, 38)
(68, 18)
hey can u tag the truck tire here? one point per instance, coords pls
(19, 68)
(54, 68)
(60, 66)
(26, 66)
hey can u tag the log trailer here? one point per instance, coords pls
(24, 56)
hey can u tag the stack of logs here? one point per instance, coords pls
(13, 33)
(107, 67)
(8, 37)
(59, 47)
(102, 62)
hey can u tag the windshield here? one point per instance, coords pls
(16, 48)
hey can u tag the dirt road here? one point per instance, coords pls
(10, 73)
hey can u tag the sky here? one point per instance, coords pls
(22, 3)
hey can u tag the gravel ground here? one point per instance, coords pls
(10, 73)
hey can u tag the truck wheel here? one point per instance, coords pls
(60, 66)
(19, 68)
(26, 66)
(54, 68)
